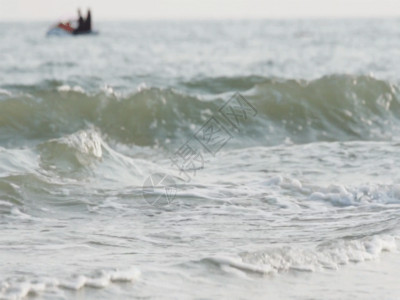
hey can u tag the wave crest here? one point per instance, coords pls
(332, 108)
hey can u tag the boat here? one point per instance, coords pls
(67, 29)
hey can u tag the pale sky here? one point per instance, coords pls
(197, 9)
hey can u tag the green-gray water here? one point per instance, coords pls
(300, 201)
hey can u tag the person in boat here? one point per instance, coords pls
(66, 26)
(84, 26)
(88, 21)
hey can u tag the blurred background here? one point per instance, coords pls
(207, 9)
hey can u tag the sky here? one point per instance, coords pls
(13, 10)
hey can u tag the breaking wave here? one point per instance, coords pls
(331, 255)
(332, 108)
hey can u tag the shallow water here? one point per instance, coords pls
(288, 190)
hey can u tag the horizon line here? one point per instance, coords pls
(195, 19)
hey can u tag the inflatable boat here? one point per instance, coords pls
(66, 29)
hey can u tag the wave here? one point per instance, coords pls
(17, 288)
(332, 108)
(328, 255)
(71, 152)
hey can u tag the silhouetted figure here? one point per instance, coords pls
(88, 21)
(81, 23)
(84, 26)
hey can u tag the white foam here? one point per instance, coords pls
(5, 203)
(20, 290)
(340, 195)
(374, 193)
(5, 92)
(85, 145)
(74, 283)
(99, 282)
(240, 265)
(17, 213)
(125, 275)
(87, 142)
(325, 256)
(13, 290)
(67, 88)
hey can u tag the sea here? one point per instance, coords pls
(226, 159)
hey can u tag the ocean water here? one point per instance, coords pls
(201, 160)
